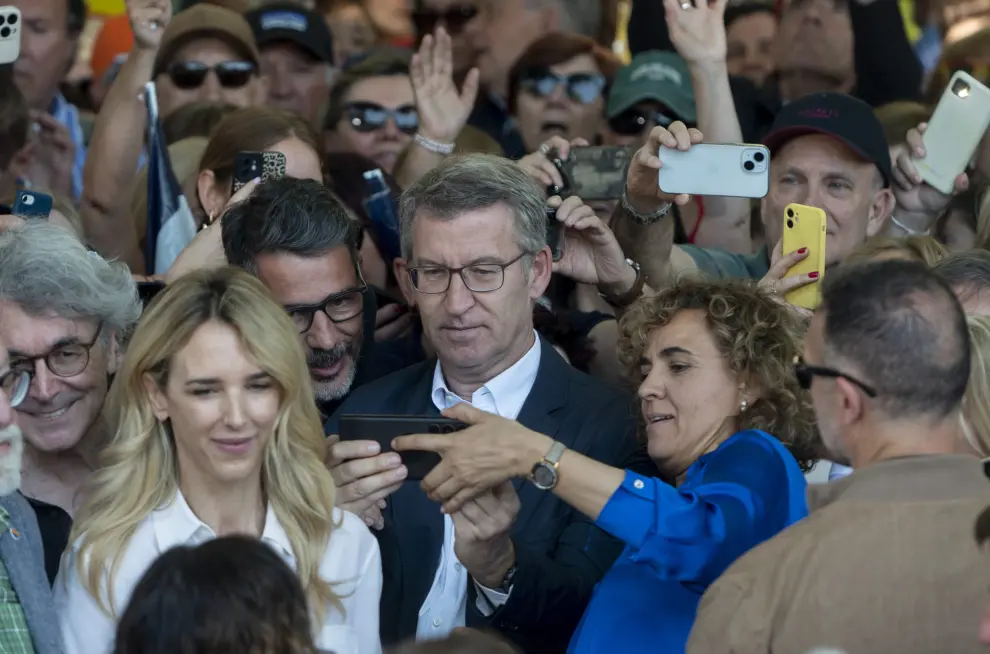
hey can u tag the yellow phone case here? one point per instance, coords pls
(804, 227)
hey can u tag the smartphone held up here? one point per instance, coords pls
(721, 169)
(10, 34)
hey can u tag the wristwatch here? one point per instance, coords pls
(633, 294)
(544, 473)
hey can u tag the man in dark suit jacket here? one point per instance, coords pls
(475, 260)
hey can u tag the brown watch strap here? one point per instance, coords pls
(633, 294)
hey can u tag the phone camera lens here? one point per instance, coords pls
(434, 429)
(790, 213)
(4, 32)
(749, 165)
(12, 19)
(3, 18)
(758, 157)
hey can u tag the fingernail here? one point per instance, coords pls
(813, 275)
(369, 521)
(256, 180)
(393, 460)
(803, 251)
(372, 448)
(399, 473)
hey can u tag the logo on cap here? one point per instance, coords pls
(656, 72)
(284, 20)
(819, 113)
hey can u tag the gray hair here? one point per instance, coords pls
(45, 270)
(968, 273)
(477, 181)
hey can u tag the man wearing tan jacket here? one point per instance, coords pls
(886, 562)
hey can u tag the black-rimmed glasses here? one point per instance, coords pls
(339, 307)
(478, 277)
(63, 361)
(371, 116)
(806, 373)
(15, 385)
(188, 75)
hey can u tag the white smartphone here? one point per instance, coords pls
(741, 171)
(10, 34)
(954, 131)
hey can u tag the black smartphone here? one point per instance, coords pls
(250, 165)
(555, 234)
(595, 172)
(382, 429)
(30, 204)
(148, 290)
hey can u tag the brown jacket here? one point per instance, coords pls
(885, 564)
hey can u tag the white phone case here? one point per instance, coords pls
(954, 131)
(10, 34)
(741, 171)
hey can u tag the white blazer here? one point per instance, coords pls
(351, 563)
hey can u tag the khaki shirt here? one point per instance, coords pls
(886, 563)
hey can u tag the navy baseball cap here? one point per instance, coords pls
(842, 117)
(290, 22)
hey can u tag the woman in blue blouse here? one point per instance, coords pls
(728, 427)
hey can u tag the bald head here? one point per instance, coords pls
(901, 328)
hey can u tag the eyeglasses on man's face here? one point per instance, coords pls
(477, 277)
(15, 385)
(67, 360)
(806, 373)
(338, 307)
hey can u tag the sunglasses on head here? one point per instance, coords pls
(189, 75)
(454, 19)
(632, 122)
(369, 117)
(581, 87)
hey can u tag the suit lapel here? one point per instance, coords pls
(25, 567)
(415, 517)
(540, 413)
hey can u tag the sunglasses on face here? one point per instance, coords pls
(369, 117)
(189, 75)
(584, 88)
(633, 122)
(454, 19)
(806, 373)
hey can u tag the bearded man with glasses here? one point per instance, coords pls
(474, 261)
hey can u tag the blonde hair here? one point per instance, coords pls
(138, 470)
(976, 415)
(917, 247)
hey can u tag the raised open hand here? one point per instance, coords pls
(443, 111)
(149, 18)
(698, 32)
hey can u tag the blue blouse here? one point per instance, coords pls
(679, 540)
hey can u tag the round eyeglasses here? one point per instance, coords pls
(15, 385)
(66, 360)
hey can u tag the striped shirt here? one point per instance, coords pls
(66, 113)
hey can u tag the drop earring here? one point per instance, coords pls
(743, 406)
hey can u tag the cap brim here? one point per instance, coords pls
(679, 104)
(289, 36)
(777, 138)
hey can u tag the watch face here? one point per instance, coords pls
(544, 476)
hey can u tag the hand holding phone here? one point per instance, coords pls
(254, 165)
(741, 171)
(594, 173)
(805, 230)
(10, 34)
(382, 429)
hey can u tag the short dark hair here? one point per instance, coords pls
(231, 594)
(298, 216)
(15, 120)
(381, 62)
(903, 330)
(968, 273)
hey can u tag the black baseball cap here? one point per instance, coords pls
(843, 117)
(287, 21)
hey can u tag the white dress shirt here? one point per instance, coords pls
(351, 562)
(446, 604)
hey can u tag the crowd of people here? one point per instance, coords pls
(632, 440)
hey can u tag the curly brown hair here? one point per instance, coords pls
(759, 338)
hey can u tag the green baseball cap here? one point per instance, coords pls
(655, 75)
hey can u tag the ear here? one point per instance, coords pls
(850, 407)
(159, 403)
(112, 353)
(401, 269)
(880, 210)
(539, 273)
(210, 198)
